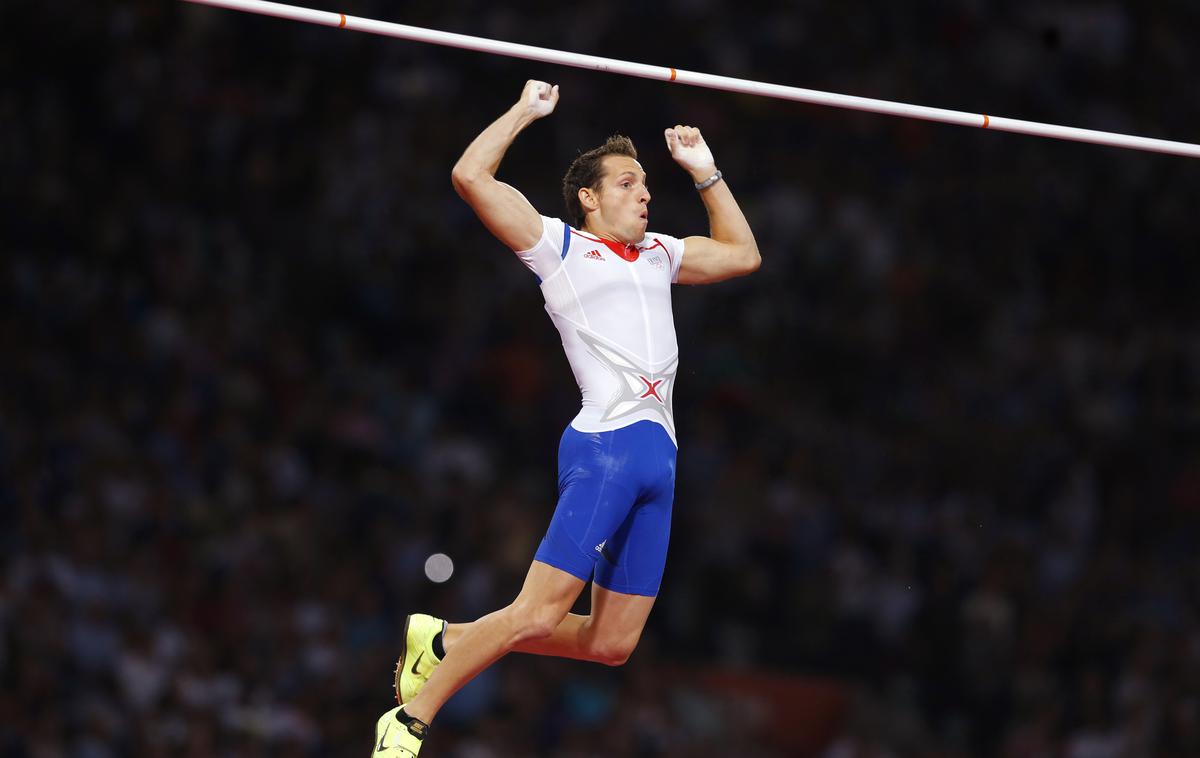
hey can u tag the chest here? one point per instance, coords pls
(594, 266)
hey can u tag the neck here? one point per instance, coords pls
(605, 234)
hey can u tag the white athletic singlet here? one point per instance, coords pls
(612, 305)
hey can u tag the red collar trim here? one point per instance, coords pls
(621, 250)
(628, 252)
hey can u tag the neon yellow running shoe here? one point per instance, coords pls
(395, 740)
(417, 660)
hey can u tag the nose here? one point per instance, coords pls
(645, 198)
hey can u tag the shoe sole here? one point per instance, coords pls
(400, 662)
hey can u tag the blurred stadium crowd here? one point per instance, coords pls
(257, 362)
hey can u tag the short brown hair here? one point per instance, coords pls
(587, 171)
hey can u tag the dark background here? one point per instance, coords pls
(939, 475)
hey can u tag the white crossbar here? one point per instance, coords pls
(746, 86)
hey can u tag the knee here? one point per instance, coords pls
(613, 652)
(532, 623)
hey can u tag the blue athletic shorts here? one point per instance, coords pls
(613, 518)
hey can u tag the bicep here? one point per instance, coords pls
(504, 211)
(705, 261)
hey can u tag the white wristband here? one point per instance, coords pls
(710, 181)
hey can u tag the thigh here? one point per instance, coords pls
(597, 490)
(633, 560)
(618, 615)
(549, 587)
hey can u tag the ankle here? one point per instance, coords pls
(416, 725)
(450, 636)
(418, 722)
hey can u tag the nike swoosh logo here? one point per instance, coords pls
(383, 737)
(416, 663)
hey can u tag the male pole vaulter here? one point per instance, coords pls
(607, 284)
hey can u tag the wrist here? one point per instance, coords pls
(522, 115)
(700, 174)
(708, 181)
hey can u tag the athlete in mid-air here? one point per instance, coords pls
(607, 285)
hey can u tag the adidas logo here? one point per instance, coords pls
(593, 255)
(600, 547)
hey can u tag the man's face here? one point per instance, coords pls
(624, 199)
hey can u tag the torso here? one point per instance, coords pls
(611, 304)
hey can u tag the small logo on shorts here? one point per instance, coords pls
(604, 553)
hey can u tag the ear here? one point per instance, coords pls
(589, 199)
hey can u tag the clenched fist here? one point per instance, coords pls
(539, 98)
(690, 151)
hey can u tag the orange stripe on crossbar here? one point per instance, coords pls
(986, 121)
(673, 72)
(342, 23)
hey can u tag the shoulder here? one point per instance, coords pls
(547, 254)
(554, 232)
(653, 240)
(672, 247)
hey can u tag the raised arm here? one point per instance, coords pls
(730, 250)
(502, 209)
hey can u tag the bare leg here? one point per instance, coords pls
(608, 635)
(545, 598)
